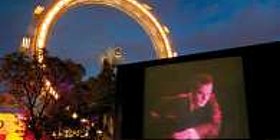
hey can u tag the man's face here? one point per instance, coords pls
(203, 94)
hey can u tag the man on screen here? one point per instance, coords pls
(204, 107)
(202, 114)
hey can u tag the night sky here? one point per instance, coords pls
(83, 33)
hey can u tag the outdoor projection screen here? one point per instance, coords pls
(166, 105)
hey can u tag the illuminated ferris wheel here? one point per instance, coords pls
(140, 12)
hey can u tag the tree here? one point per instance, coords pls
(102, 92)
(89, 99)
(26, 80)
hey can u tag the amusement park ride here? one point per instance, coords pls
(47, 17)
(140, 12)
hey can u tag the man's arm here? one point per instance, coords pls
(212, 128)
(205, 130)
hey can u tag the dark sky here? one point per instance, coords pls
(196, 26)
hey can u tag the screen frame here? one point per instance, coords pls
(130, 107)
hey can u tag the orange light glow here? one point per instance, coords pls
(140, 12)
(38, 10)
(12, 127)
(25, 42)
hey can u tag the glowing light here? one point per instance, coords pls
(99, 132)
(12, 127)
(74, 115)
(175, 54)
(53, 134)
(48, 83)
(67, 108)
(25, 42)
(84, 120)
(44, 66)
(38, 10)
(138, 11)
(71, 133)
(86, 134)
(48, 88)
(118, 52)
(148, 7)
(166, 30)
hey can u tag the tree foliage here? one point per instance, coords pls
(25, 79)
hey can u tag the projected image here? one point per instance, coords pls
(195, 100)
